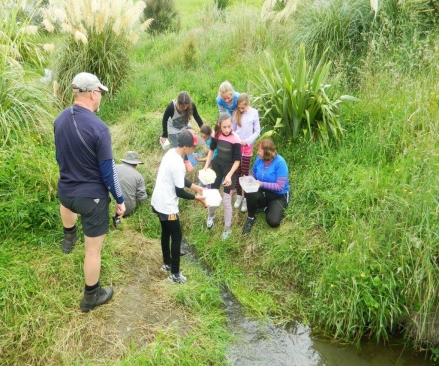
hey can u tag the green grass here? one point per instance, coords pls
(355, 256)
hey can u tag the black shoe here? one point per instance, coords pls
(261, 209)
(69, 242)
(95, 298)
(248, 225)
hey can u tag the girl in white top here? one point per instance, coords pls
(245, 123)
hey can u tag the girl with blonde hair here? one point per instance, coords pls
(246, 125)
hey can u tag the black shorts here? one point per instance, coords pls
(222, 169)
(94, 213)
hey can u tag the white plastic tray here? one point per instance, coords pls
(249, 184)
(213, 197)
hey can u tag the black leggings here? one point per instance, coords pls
(171, 232)
(275, 205)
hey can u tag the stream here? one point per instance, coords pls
(265, 344)
(262, 344)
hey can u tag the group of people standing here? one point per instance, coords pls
(88, 173)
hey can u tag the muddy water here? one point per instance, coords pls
(260, 344)
(264, 344)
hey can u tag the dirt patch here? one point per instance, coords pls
(142, 308)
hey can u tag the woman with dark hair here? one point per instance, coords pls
(271, 172)
(177, 118)
(224, 165)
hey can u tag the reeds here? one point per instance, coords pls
(102, 34)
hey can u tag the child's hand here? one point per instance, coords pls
(227, 181)
(202, 200)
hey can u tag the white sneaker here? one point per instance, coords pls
(238, 201)
(226, 234)
(209, 222)
(177, 278)
(244, 205)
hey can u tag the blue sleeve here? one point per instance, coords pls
(111, 180)
(282, 169)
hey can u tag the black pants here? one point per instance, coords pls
(170, 240)
(275, 205)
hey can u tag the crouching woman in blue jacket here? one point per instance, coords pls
(271, 172)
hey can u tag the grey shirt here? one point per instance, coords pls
(133, 186)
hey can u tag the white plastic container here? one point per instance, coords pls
(165, 145)
(213, 197)
(207, 176)
(249, 184)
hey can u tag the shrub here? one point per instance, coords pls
(28, 183)
(221, 4)
(301, 103)
(165, 15)
(102, 34)
(190, 56)
(336, 25)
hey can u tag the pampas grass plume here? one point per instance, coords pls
(374, 6)
(48, 47)
(48, 25)
(80, 37)
(30, 30)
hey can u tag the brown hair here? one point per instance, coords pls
(224, 116)
(206, 130)
(269, 149)
(243, 98)
(183, 99)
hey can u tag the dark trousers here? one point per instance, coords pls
(171, 242)
(275, 205)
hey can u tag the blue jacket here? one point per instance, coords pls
(228, 107)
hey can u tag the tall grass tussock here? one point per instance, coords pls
(101, 38)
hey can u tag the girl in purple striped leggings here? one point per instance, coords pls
(245, 123)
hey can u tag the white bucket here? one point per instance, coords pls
(213, 197)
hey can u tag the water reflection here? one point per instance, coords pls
(260, 344)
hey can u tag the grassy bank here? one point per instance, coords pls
(355, 256)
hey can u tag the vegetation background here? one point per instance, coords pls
(357, 254)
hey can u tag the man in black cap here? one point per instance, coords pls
(131, 181)
(168, 189)
(87, 175)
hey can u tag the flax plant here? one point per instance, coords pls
(101, 38)
(300, 103)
